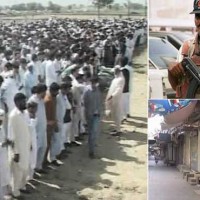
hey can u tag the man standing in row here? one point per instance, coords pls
(19, 133)
(53, 141)
(92, 103)
(41, 125)
(114, 98)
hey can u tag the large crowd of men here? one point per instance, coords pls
(49, 90)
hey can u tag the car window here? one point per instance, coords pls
(183, 36)
(151, 66)
(160, 51)
(174, 42)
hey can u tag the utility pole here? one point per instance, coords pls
(128, 4)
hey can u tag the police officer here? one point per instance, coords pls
(178, 77)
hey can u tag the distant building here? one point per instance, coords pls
(170, 9)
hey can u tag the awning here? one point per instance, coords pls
(172, 121)
(179, 116)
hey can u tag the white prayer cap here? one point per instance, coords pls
(81, 72)
(115, 67)
(2, 114)
(33, 32)
(30, 65)
(24, 47)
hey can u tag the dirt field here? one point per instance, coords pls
(121, 171)
(30, 18)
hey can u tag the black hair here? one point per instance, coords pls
(34, 57)
(40, 88)
(34, 90)
(124, 61)
(54, 87)
(80, 76)
(1, 79)
(51, 55)
(88, 74)
(23, 61)
(32, 104)
(65, 85)
(18, 97)
(9, 65)
(15, 65)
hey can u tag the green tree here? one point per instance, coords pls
(116, 6)
(102, 3)
(54, 7)
(40, 6)
(19, 7)
(31, 6)
(7, 7)
(69, 7)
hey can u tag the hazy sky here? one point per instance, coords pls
(61, 2)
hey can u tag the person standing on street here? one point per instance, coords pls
(4, 165)
(31, 114)
(19, 133)
(41, 125)
(114, 98)
(92, 104)
(53, 137)
(127, 72)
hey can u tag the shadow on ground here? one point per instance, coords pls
(79, 172)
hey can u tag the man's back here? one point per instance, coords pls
(92, 102)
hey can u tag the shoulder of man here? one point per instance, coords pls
(47, 98)
(13, 114)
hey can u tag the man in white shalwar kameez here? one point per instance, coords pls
(4, 165)
(50, 71)
(77, 90)
(77, 103)
(130, 46)
(22, 71)
(31, 112)
(60, 113)
(41, 125)
(19, 155)
(68, 122)
(114, 98)
(127, 71)
(8, 90)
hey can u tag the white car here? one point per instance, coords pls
(161, 52)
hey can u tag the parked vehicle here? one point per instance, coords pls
(176, 38)
(161, 53)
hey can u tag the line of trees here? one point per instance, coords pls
(33, 6)
(99, 4)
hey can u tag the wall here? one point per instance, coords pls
(186, 150)
(199, 149)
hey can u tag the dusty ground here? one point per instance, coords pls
(121, 171)
(173, 187)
